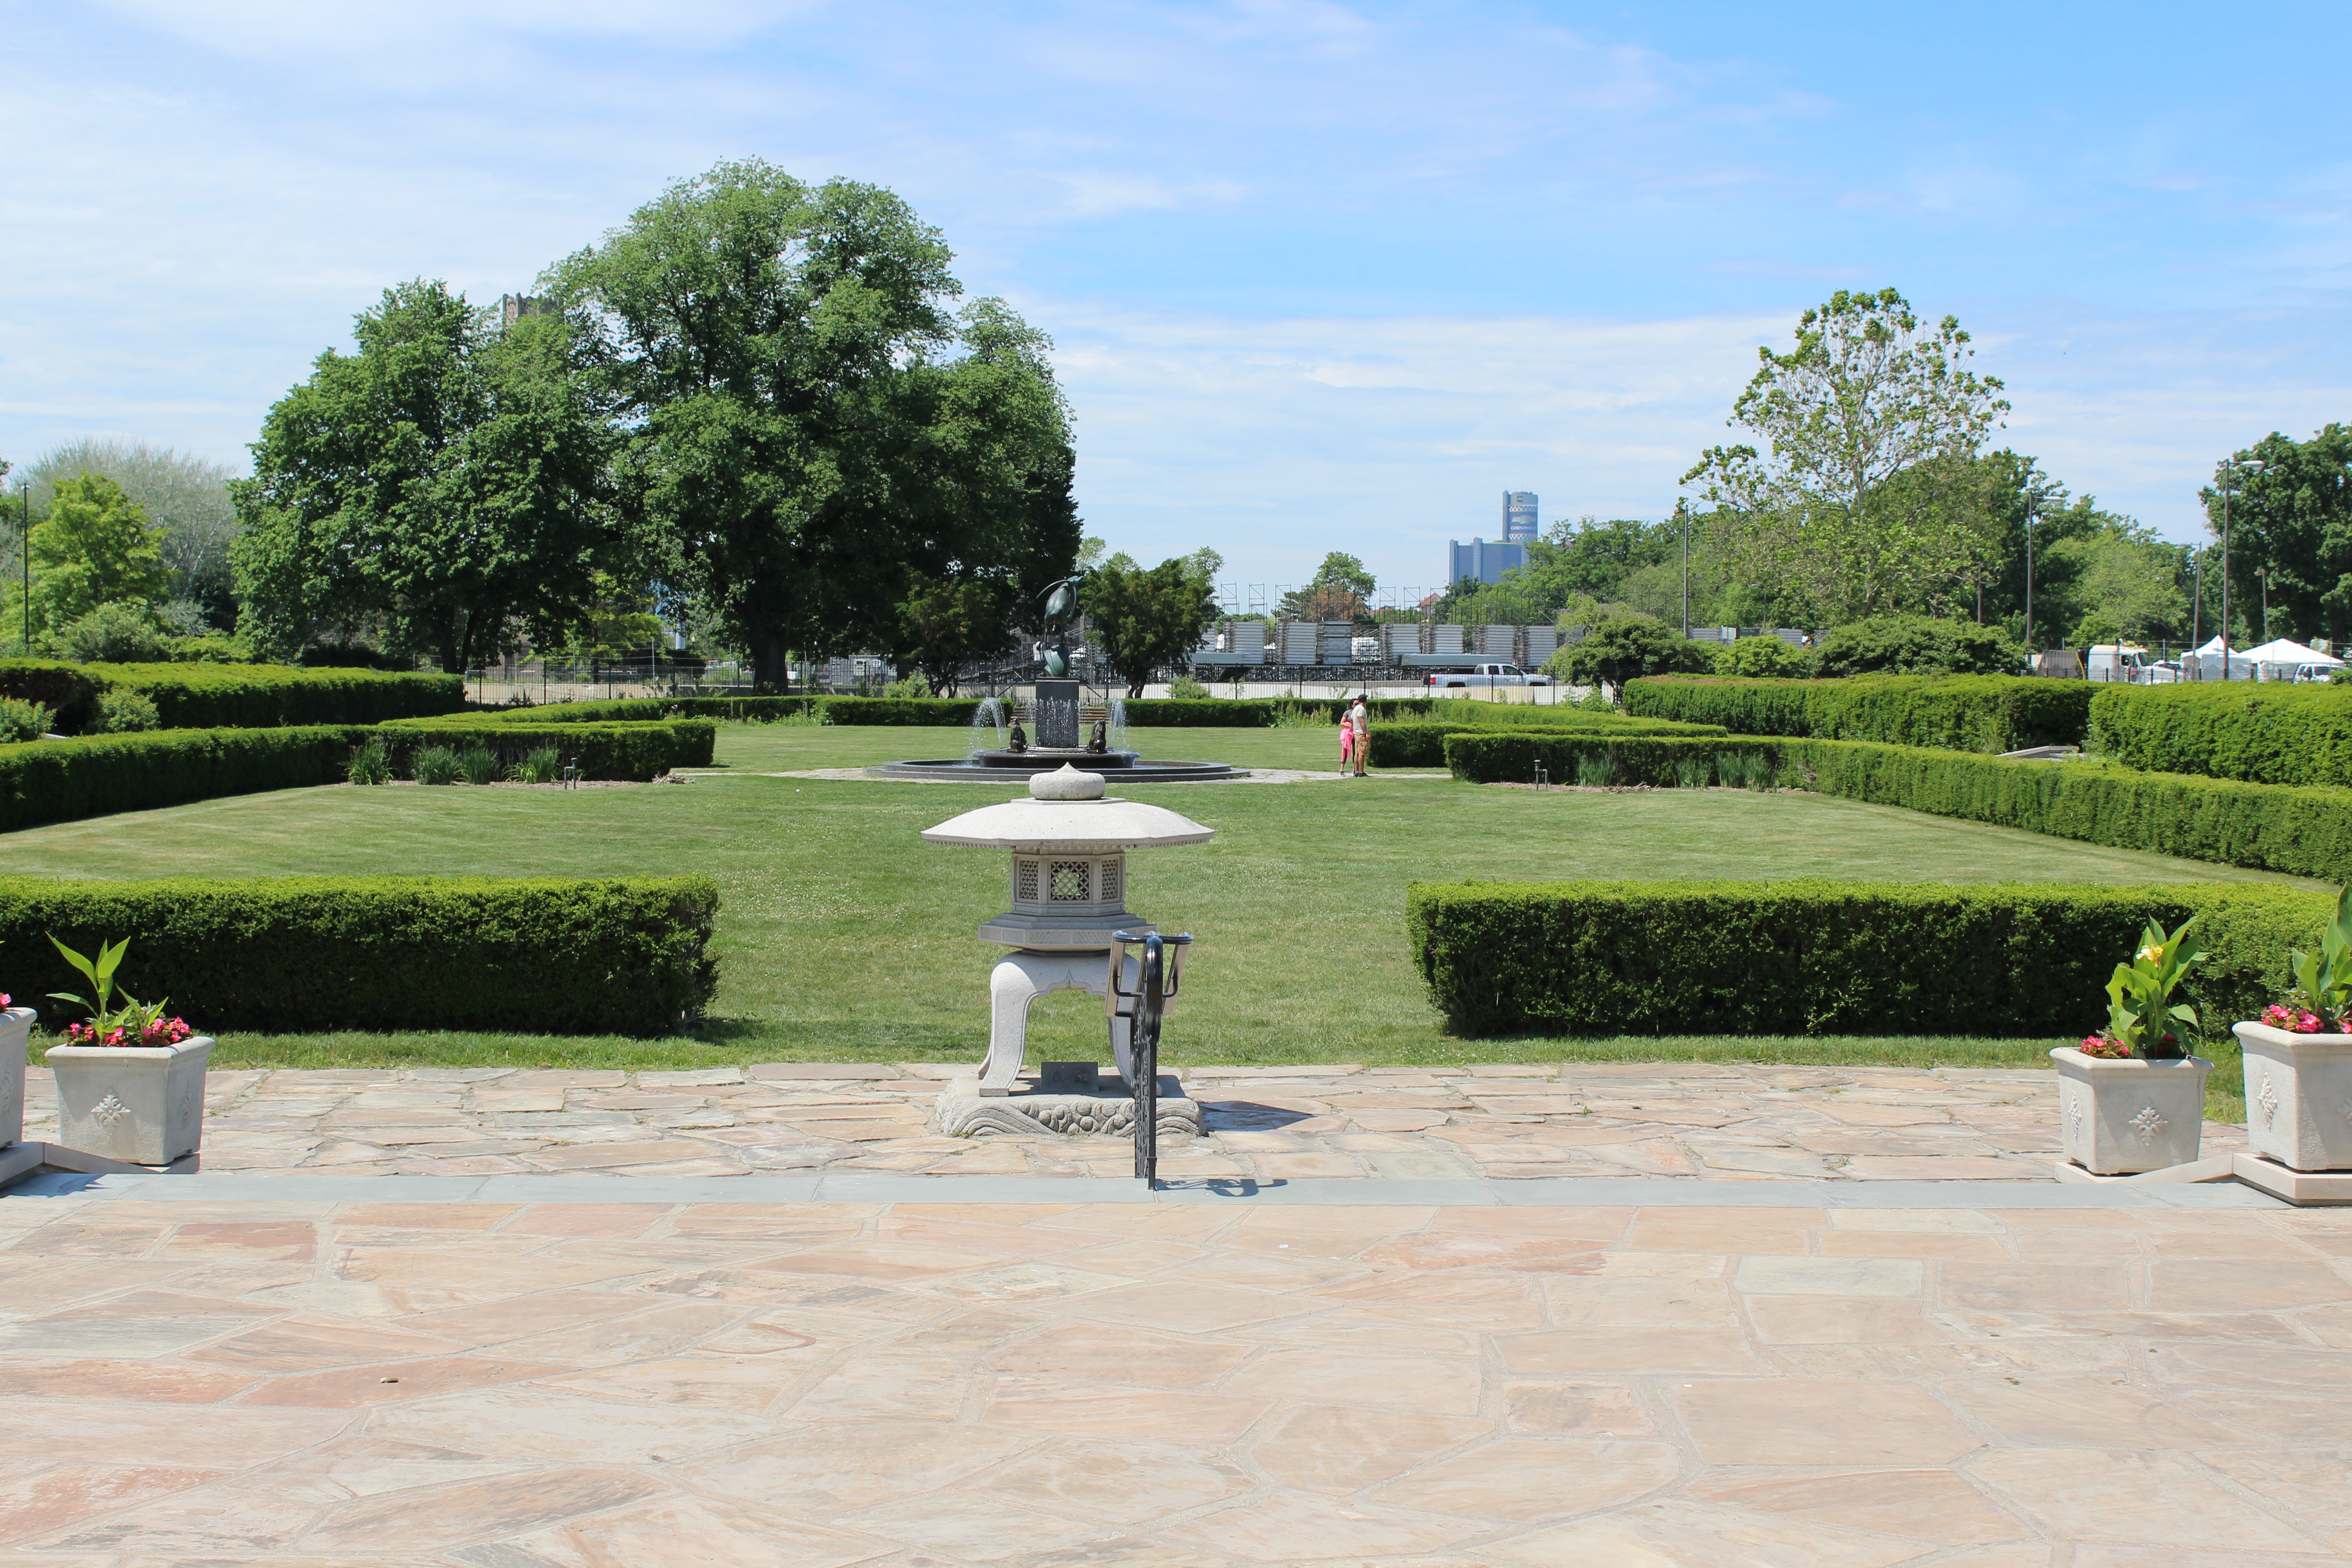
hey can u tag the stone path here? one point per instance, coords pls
(1051, 1385)
(1701, 1122)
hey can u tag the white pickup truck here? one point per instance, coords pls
(1482, 677)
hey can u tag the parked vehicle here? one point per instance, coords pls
(1480, 676)
(2117, 661)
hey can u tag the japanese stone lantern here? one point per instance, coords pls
(1069, 843)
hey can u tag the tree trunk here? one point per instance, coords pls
(770, 660)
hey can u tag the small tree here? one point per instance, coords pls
(948, 624)
(1341, 591)
(95, 547)
(1766, 657)
(1148, 618)
(1622, 646)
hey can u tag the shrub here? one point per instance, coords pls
(541, 764)
(906, 686)
(1962, 714)
(1423, 745)
(22, 721)
(478, 765)
(623, 955)
(1184, 689)
(1764, 657)
(115, 632)
(1811, 957)
(371, 763)
(1659, 760)
(435, 765)
(265, 696)
(608, 750)
(871, 710)
(59, 781)
(64, 689)
(1917, 645)
(123, 713)
(1623, 644)
(626, 709)
(210, 647)
(2265, 733)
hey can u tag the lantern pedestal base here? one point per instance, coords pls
(965, 1111)
(1018, 979)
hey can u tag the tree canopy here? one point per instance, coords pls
(1341, 590)
(93, 546)
(1867, 424)
(446, 481)
(1147, 619)
(813, 431)
(2292, 518)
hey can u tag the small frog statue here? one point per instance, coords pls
(1019, 740)
(1098, 740)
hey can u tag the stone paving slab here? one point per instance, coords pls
(1714, 1123)
(609, 1385)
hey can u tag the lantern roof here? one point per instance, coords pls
(1066, 810)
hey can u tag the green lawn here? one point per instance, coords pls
(843, 936)
(769, 748)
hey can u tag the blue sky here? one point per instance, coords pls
(1321, 276)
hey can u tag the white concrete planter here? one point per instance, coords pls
(15, 1029)
(2298, 1096)
(2120, 1117)
(144, 1104)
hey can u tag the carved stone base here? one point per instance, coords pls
(964, 1112)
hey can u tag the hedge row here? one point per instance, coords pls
(2304, 832)
(1423, 745)
(609, 750)
(605, 710)
(1819, 957)
(1953, 712)
(2263, 733)
(624, 956)
(97, 775)
(59, 781)
(232, 696)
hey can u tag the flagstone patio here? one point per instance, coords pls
(1698, 1121)
(928, 1385)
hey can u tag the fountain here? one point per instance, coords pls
(1058, 733)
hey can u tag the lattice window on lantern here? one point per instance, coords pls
(1070, 881)
(1025, 880)
(1108, 892)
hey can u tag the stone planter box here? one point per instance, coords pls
(15, 1029)
(143, 1104)
(2298, 1096)
(2121, 1117)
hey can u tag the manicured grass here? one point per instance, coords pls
(772, 748)
(843, 937)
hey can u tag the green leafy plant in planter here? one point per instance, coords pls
(133, 1024)
(2322, 997)
(477, 765)
(2140, 1009)
(436, 765)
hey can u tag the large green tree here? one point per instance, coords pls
(1866, 424)
(94, 546)
(1622, 646)
(1341, 591)
(446, 481)
(812, 430)
(2291, 519)
(1149, 619)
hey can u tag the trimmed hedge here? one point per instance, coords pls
(2263, 733)
(269, 696)
(1509, 757)
(539, 955)
(1820, 957)
(1953, 712)
(60, 687)
(621, 709)
(1423, 745)
(624, 751)
(59, 781)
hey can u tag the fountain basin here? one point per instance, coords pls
(1117, 767)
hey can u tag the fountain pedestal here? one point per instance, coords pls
(1057, 716)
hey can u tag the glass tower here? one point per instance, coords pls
(1519, 517)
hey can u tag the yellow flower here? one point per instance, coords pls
(2152, 954)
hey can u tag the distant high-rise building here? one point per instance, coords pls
(513, 308)
(1519, 516)
(1484, 560)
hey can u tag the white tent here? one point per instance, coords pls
(2215, 647)
(2289, 654)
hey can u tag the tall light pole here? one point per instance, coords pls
(2196, 601)
(2262, 576)
(2033, 501)
(1684, 508)
(2229, 469)
(24, 549)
